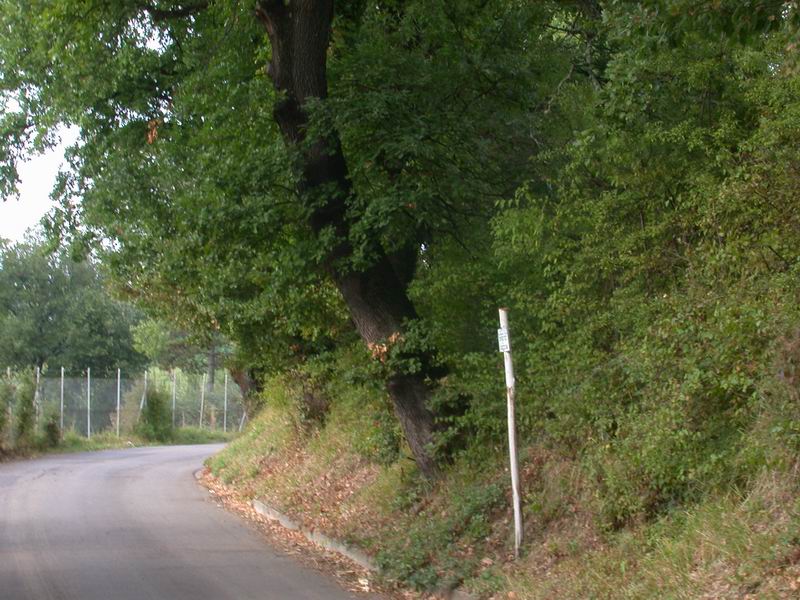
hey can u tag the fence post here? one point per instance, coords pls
(11, 411)
(504, 342)
(37, 399)
(88, 402)
(119, 386)
(174, 380)
(144, 395)
(61, 410)
(225, 405)
(202, 400)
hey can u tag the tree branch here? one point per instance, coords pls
(181, 12)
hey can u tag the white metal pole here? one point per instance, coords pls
(202, 400)
(61, 411)
(504, 340)
(37, 399)
(225, 409)
(174, 380)
(144, 394)
(119, 390)
(88, 402)
(10, 406)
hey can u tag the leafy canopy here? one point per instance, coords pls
(55, 312)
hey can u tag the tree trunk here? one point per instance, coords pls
(249, 386)
(377, 297)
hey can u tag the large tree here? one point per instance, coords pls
(55, 312)
(285, 166)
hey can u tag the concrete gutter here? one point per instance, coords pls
(332, 545)
(318, 538)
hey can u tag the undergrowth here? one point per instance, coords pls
(734, 531)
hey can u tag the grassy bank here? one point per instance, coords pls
(733, 542)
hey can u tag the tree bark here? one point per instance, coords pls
(249, 386)
(376, 297)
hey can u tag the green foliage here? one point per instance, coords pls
(24, 410)
(57, 312)
(739, 541)
(623, 176)
(437, 108)
(6, 402)
(339, 388)
(166, 347)
(650, 267)
(155, 424)
(74, 442)
(52, 429)
(195, 435)
(381, 441)
(421, 553)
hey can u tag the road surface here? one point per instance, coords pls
(134, 525)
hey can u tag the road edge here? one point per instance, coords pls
(333, 545)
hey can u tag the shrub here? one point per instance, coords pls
(52, 430)
(25, 412)
(156, 421)
(6, 397)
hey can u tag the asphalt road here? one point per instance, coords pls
(134, 524)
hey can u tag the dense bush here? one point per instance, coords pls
(25, 410)
(155, 423)
(651, 267)
(52, 429)
(6, 399)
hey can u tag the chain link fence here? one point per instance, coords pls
(90, 405)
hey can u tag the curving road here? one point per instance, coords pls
(134, 525)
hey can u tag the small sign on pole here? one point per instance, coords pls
(504, 343)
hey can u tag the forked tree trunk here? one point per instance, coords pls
(377, 297)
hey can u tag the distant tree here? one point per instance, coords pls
(169, 347)
(56, 312)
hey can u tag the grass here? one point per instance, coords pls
(71, 441)
(728, 546)
(195, 435)
(741, 542)
(426, 536)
